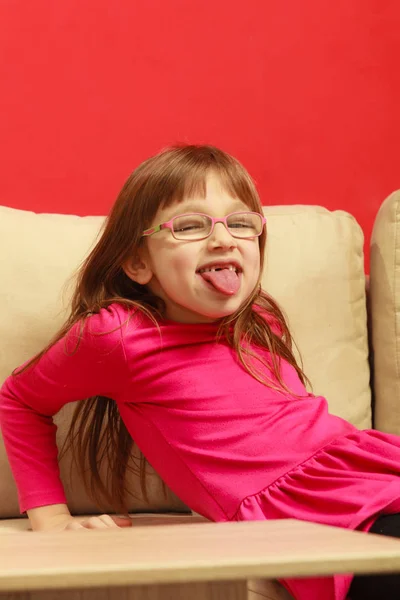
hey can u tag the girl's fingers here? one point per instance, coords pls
(122, 521)
(107, 520)
(74, 525)
(114, 521)
(101, 522)
(95, 523)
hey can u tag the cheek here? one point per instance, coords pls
(253, 258)
(176, 265)
(179, 265)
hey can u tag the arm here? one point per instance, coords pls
(28, 401)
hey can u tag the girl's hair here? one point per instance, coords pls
(97, 430)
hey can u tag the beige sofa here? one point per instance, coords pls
(314, 268)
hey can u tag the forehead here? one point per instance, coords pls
(213, 197)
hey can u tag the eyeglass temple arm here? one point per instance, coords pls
(152, 230)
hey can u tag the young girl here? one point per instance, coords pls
(173, 344)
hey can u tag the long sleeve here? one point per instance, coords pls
(72, 369)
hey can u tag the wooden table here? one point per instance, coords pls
(204, 561)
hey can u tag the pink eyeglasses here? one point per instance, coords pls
(198, 226)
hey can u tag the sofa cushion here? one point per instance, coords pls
(385, 316)
(314, 268)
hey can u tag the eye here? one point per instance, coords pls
(187, 223)
(238, 224)
(188, 227)
(242, 222)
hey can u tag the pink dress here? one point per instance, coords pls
(228, 446)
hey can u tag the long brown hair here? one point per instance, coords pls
(97, 430)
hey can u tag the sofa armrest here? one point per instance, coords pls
(385, 316)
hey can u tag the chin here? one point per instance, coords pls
(221, 314)
(200, 314)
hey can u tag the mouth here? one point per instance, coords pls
(224, 278)
(232, 266)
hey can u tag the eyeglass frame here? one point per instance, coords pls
(214, 220)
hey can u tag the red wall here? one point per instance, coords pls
(305, 93)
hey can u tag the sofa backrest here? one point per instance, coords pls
(314, 268)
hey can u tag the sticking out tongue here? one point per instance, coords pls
(225, 281)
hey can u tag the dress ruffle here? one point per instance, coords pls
(348, 484)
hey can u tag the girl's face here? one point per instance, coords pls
(170, 267)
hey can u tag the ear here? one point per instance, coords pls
(138, 269)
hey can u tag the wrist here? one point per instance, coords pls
(44, 517)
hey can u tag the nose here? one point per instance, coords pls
(221, 237)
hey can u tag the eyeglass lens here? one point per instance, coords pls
(240, 225)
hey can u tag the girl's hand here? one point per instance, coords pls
(67, 522)
(99, 522)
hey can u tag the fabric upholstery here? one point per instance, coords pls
(314, 268)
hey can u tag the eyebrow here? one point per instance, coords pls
(198, 207)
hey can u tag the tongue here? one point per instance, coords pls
(225, 281)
